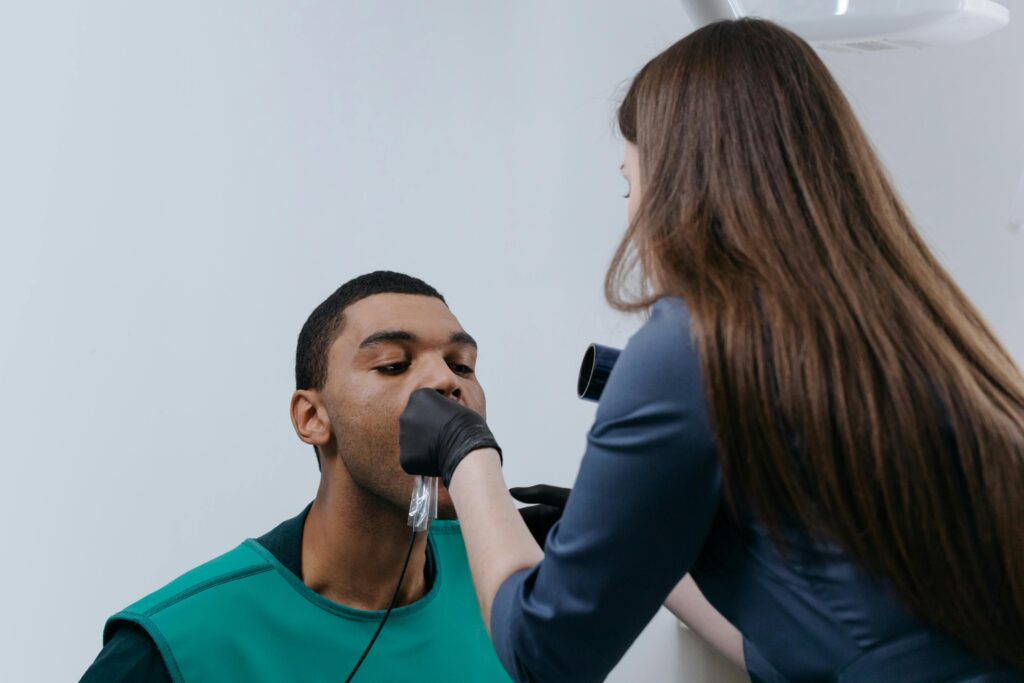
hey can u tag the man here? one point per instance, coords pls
(302, 602)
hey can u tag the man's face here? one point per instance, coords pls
(390, 346)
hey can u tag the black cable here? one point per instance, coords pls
(394, 599)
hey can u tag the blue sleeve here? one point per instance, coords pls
(643, 502)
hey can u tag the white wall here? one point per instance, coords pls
(182, 183)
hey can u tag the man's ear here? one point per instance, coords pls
(309, 417)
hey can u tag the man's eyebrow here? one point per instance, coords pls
(385, 336)
(462, 338)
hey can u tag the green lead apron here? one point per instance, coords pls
(244, 617)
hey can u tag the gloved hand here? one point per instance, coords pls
(436, 433)
(548, 503)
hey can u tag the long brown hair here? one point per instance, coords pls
(853, 389)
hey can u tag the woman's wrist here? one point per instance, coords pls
(477, 467)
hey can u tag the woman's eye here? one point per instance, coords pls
(393, 368)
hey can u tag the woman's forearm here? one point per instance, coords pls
(690, 606)
(498, 543)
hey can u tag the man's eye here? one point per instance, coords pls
(460, 369)
(393, 368)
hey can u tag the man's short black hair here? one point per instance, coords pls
(325, 322)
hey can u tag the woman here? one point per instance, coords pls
(815, 422)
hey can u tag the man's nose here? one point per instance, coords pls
(440, 377)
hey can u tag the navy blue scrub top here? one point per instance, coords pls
(647, 508)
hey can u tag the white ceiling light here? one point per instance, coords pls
(866, 25)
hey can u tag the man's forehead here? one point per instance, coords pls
(410, 312)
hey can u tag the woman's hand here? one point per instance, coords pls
(436, 433)
(545, 505)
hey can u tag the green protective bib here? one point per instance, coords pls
(244, 617)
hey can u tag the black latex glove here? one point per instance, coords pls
(436, 433)
(547, 505)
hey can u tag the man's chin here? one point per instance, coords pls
(445, 506)
(446, 512)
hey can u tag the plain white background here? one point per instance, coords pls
(181, 183)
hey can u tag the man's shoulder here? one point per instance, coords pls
(243, 561)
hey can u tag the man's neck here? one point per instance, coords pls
(353, 547)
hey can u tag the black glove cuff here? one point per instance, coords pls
(469, 434)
